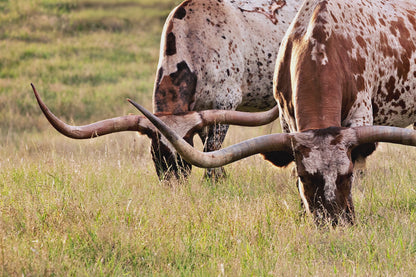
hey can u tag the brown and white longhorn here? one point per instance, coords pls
(214, 54)
(342, 67)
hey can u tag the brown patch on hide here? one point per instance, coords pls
(180, 13)
(403, 61)
(271, 11)
(175, 93)
(170, 48)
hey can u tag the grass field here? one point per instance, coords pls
(88, 208)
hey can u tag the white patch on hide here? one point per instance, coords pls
(318, 53)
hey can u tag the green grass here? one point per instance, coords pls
(85, 57)
(96, 207)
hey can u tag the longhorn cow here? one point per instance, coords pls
(342, 67)
(215, 54)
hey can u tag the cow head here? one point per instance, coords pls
(324, 159)
(173, 94)
(324, 166)
(166, 160)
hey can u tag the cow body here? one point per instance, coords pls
(217, 54)
(214, 54)
(355, 64)
(343, 64)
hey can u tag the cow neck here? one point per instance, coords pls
(317, 111)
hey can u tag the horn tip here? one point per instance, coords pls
(138, 106)
(34, 90)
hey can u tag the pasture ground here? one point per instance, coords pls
(96, 207)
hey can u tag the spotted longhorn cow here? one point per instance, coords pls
(214, 54)
(343, 66)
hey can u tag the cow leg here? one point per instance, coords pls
(284, 125)
(213, 137)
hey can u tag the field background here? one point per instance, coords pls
(97, 208)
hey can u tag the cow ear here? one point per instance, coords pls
(279, 158)
(362, 151)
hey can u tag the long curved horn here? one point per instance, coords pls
(267, 143)
(108, 126)
(370, 134)
(239, 118)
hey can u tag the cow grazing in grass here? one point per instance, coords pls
(342, 67)
(215, 54)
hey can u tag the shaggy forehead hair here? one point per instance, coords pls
(325, 152)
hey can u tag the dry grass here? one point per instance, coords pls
(97, 208)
